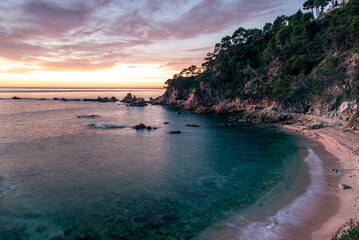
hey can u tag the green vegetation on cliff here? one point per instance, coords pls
(289, 60)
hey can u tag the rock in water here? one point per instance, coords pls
(15, 97)
(57, 238)
(140, 126)
(140, 102)
(88, 116)
(344, 186)
(192, 125)
(175, 132)
(128, 98)
(334, 170)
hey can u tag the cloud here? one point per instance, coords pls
(73, 35)
(19, 70)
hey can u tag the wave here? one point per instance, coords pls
(295, 213)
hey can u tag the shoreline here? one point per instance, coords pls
(343, 145)
(303, 209)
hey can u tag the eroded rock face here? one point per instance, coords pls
(140, 102)
(347, 109)
(129, 98)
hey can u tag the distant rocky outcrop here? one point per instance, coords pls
(100, 99)
(132, 100)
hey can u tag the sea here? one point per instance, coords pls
(78, 170)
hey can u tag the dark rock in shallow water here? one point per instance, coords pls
(15, 97)
(179, 113)
(40, 229)
(68, 231)
(192, 125)
(104, 126)
(334, 170)
(140, 126)
(86, 236)
(166, 123)
(157, 223)
(57, 238)
(169, 216)
(33, 215)
(175, 132)
(88, 116)
(140, 218)
(226, 125)
(148, 127)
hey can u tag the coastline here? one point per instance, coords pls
(344, 145)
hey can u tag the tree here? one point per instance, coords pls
(309, 4)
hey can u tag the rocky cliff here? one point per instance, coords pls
(315, 79)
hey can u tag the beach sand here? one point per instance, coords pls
(344, 144)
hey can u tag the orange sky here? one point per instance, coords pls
(117, 43)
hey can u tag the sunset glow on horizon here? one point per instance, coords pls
(124, 44)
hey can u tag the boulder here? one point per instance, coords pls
(166, 123)
(15, 97)
(344, 186)
(314, 126)
(334, 170)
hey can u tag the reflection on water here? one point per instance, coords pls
(60, 177)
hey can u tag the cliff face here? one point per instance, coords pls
(338, 98)
(297, 64)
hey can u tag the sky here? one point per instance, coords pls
(118, 43)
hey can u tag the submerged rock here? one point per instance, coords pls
(40, 229)
(179, 113)
(57, 238)
(85, 236)
(104, 126)
(226, 125)
(166, 123)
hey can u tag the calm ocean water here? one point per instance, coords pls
(60, 177)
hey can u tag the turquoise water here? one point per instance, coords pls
(60, 177)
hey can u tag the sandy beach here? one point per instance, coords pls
(344, 144)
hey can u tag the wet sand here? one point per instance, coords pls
(303, 209)
(344, 144)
